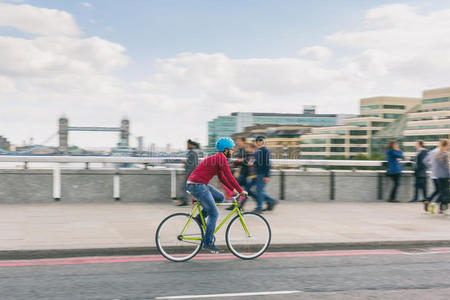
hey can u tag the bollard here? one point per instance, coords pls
(57, 182)
(116, 187)
(282, 185)
(332, 185)
(173, 184)
(380, 186)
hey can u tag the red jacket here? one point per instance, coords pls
(215, 165)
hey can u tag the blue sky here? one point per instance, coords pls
(175, 65)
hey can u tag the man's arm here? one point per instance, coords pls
(225, 173)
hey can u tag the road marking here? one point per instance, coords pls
(230, 295)
(155, 258)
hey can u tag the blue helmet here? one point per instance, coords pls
(224, 143)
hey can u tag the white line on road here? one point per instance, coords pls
(230, 295)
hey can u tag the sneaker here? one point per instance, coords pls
(393, 201)
(258, 211)
(413, 200)
(270, 206)
(426, 204)
(212, 248)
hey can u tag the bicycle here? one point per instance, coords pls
(179, 237)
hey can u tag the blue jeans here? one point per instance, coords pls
(260, 194)
(207, 196)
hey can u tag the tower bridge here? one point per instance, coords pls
(64, 129)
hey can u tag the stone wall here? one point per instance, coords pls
(80, 186)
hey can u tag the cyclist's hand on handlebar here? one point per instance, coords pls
(244, 194)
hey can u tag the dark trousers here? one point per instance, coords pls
(443, 190)
(242, 180)
(436, 190)
(395, 183)
(421, 184)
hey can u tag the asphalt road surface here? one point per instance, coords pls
(365, 274)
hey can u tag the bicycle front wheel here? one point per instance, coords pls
(250, 237)
(177, 239)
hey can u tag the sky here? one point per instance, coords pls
(171, 66)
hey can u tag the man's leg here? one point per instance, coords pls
(206, 200)
(217, 195)
(423, 181)
(416, 189)
(443, 193)
(242, 180)
(249, 186)
(260, 195)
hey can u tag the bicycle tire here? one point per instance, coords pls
(174, 248)
(244, 246)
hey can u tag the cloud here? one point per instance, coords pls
(86, 4)
(397, 50)
(36, 20)
(316, 52)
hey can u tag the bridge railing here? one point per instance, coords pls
(170, 161)
(171, 164)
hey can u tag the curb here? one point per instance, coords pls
(124, 251)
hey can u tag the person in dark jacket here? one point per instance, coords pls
(394, 171)
(262, 167)
(241, 161)
(189, 165)
(442, 171)
(420, 172)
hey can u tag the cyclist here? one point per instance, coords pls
(198, 185)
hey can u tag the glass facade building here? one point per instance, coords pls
(226, 126)
(354, 137)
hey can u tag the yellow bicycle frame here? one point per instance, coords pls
(198, 208)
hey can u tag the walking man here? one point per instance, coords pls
(420, 172)
(189, 165)
(262, 166)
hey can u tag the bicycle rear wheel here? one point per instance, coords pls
(177, 240)
(251, 243)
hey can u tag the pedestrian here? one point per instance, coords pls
(442, 171)
(262, 167)
(429, 160)
(394, 168)
(250, 171)
(241, 161)
(420, 172)
(189, 165)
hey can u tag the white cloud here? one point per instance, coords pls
(36, 20)
(316, 52)
(397, 50)
(86, 4)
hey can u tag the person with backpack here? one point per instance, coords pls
(420, 172)
(442, 171)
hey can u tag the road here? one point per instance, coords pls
(365, 274)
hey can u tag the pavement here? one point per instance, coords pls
(62, 229)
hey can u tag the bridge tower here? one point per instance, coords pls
(63, 131)
(125, 132)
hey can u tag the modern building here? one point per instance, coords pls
(282, 140)
(429, 122)
(354, 137)
(226, 126)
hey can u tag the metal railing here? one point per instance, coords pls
(171, 160)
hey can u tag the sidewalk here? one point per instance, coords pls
(294, 225)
